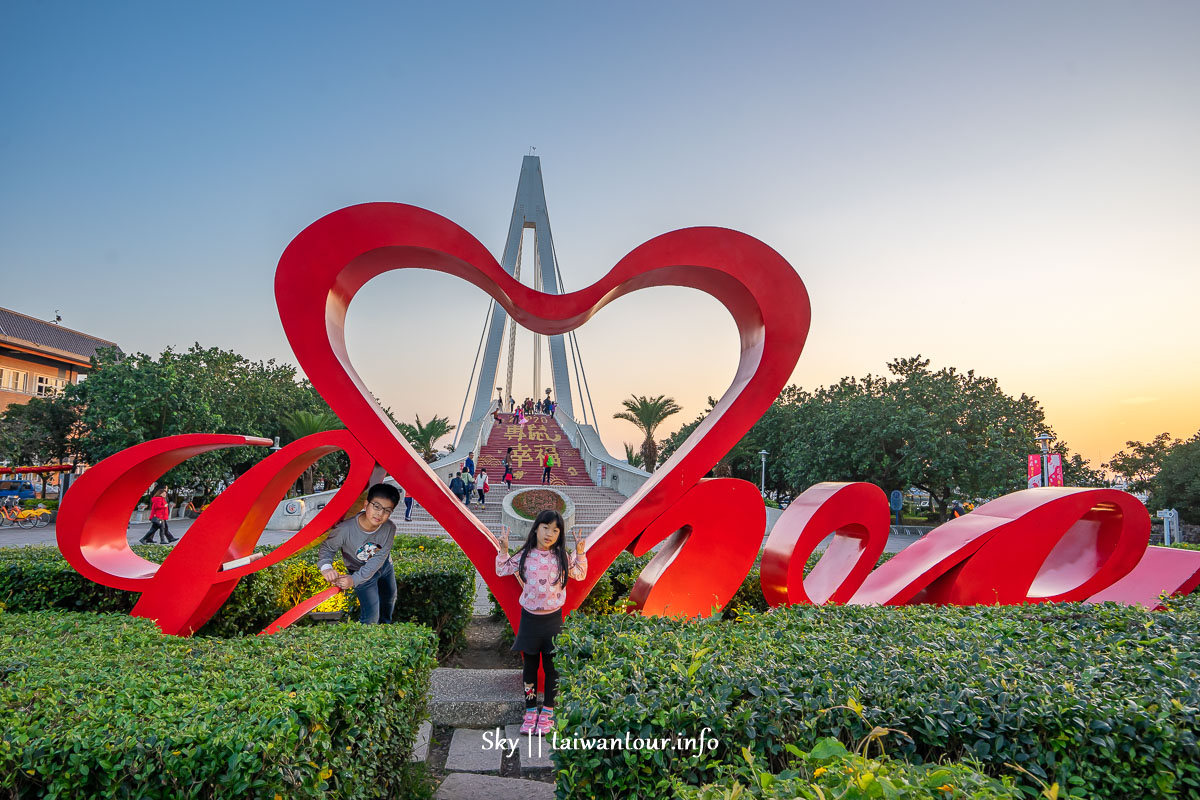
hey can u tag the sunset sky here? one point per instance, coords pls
(1007, 187)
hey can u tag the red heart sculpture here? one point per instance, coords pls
(330, 261)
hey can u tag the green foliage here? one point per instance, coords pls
(1177, 483)
(633, 457)
(951, 433)
(830, 770)
(424, 436)
(303, 423)
(600, 598)
(131, 399)
(1141, 461)
(1101, 699)
(106, 706)
(39, 578)
(647, 413)
(45, 430)
(33, 502)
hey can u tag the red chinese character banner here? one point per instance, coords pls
(1033, 546)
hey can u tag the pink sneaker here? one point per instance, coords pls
(531, 721)
(545, 721)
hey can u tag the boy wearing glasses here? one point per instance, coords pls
(366, 544)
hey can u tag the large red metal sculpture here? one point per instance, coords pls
(1040, 544)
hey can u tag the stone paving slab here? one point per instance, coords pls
(476, 698)
(421, 746)
(469, 753)
(465, 786)
(534, 751)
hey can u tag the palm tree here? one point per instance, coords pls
(305, 423)
(423, 436)
(647, 413)
(634, 459)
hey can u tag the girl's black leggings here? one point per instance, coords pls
(529, 673)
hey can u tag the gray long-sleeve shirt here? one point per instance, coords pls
(364, 552)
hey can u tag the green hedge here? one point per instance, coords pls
(1102, 700)
(830, 770)
(50, 505)
(435, 586)
(39, 578)
(99, 705)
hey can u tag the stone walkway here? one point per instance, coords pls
(477, 713)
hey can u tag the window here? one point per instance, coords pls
(48, 387)
(17, 381)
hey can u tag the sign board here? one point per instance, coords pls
(1053, 469)
(896, 500)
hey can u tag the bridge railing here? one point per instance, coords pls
(605, 470)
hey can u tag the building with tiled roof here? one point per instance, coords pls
(37, 359)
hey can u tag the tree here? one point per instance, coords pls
(424, 436)
(22, 441)
(1140, 462)
(1177, 482)
(953, 434)
(305, 423)
(131, 399)
(44, 430)
(634, 458)
(647, 413)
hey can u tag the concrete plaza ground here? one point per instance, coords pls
(19, 537)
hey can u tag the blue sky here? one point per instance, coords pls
(1009, 187)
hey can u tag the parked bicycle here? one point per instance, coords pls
(12, 514)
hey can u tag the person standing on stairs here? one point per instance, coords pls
(547, 463)
(543, 568)
(469, 464)
(457, 486)
(482, 487)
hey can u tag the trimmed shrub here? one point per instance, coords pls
(1103, 700)
(39, 578)
(830, 770)
(435, 584)
(33, 502)
(97, 705)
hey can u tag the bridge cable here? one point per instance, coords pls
(575, 339)
(471, 378)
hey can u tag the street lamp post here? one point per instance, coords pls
(1043, 439)
(762, 481)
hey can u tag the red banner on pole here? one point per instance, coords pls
(1054, 470)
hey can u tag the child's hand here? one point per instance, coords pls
(504, 539)
(579, 542)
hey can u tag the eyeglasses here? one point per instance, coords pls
(381, 509)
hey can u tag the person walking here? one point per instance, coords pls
(457, 486)
(482, 487)
(469, 464)
(408, 507)
(547, 463)
(158, 518)
(468, 488)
